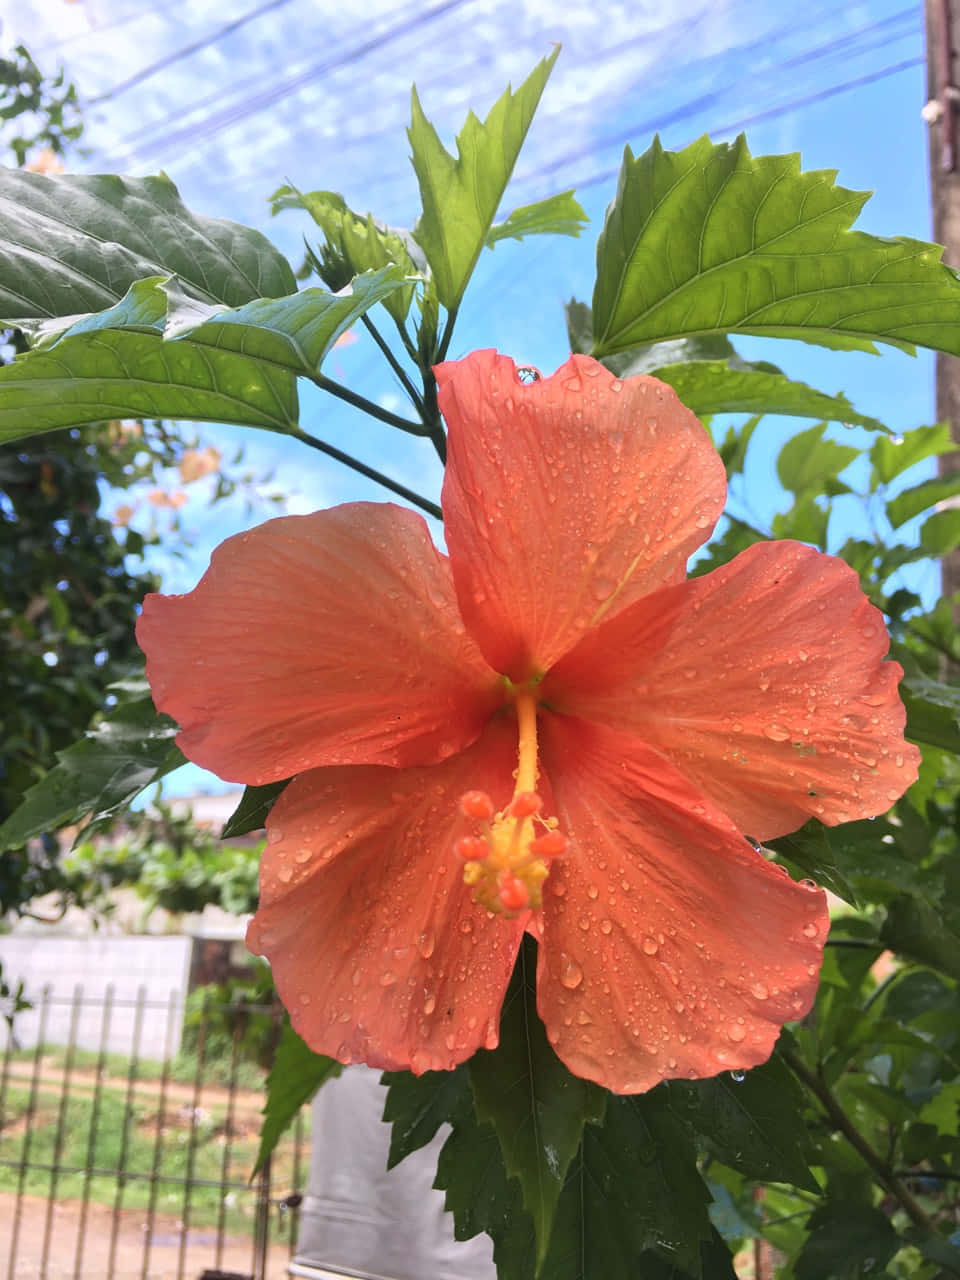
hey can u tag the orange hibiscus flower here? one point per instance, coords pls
(550, 730)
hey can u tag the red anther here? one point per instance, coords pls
(550, 845)
(525, 804)
(477, 804)
(513, 893)
(470, 848)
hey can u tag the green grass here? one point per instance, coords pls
(103, 1146)
(216, 1068)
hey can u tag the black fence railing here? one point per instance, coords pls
(114, 1164)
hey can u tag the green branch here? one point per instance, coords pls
(394, 363)
(374, 410)
(394, 486)
(884, 1172)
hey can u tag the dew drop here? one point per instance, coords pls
(651, 946)
(759, 991)
(736, 1032)
(738, 1077)
(809, 885)
(606, 926)
(426, 943)
(388, 979)
(285, 874)
(273, 835)
(571, 975)
(584, 1018)
(810, 930)
(776, 732)
(430, 1003)
(592, 891)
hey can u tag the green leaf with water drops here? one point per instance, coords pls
(461, 196)
(810, 849)
(713, 240)
(416, 1107)
(752, 1121)
(251, 813)
(891, 457)
(296, 1075)
(537, 1108)
(93, 781)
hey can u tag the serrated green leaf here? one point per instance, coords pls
(917, 929)
(846, 1240)
(71, 244)
(296, 1075)
(251, 813)
(117, 374)
(482, 1197)
(812, 851)
(754, 1124)
(922, 497)
(416, 1107)
(891, 457)
(649, 357)
(96, 778)
(808, 462)
(717, 387)
(712, 239)
(558, 215)
(940, 533)
(537, 1108)
(355, 244)
(460, 197)
(634, 1187)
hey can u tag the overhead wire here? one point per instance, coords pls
(224, 119)
(170, 59)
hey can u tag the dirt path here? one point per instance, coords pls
(164, 1259)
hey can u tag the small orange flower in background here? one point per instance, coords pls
(197, 463)
(45, 161)
(549, 730)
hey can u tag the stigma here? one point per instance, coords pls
(508, 853)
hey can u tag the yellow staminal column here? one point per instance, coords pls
(507, 859)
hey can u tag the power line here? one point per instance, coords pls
(221, 120)
(178, 54)
(163, 7)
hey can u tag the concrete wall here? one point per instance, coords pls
(143, 980)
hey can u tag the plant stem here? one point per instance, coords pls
(885, 1174)
(447, 335)
(418, 501)
(374, 410)
(394, 363)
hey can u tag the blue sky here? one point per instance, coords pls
(232, 97)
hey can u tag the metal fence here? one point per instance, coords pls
(117, 1167)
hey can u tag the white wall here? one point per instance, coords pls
(143, 978)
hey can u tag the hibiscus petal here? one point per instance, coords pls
(332, 638)
(670, 946)
(561, 500)
(763, 681)
(377, 947)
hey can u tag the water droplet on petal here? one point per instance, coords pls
(776, 732)
(759, 991)
(426, 943)
(650, 946)
(736, 1032)
(738, 1077)
(571, 975)
(810, 930)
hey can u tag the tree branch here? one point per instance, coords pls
(885, 1174)
(394, 486)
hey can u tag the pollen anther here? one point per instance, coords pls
(508, 853)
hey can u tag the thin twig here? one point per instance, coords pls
(395, 364)
(368, 406)
(885, 1174)
(424, 504)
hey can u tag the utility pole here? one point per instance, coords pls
(942, 113)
